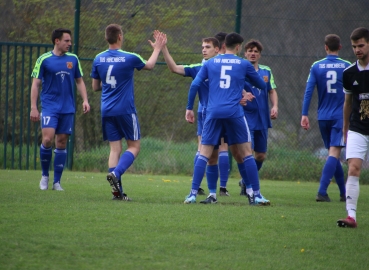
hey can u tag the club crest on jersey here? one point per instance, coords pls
(266, 79)
(70, 65)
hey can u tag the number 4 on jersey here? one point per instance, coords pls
(111, 79)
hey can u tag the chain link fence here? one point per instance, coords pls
(292, 33)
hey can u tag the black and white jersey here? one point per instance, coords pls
(356, 83)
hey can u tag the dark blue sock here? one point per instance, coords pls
(119, 179)
(327, 174)
(258, 164)
(340, 178)
(196, 157)
(199, 172)
(212, 173)
(45, 157)
(124, 163)
(223, 168)
(59, 163)
(252, 173)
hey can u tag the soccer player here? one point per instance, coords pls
(257, 112)
(112, 72)
(356, 120)
(224, 115)
(210, 48)
(223, 158)
(326, 75)
(56, 71)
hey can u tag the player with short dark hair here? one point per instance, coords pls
(56, 71)
(112, 72)
(224, 114)
(257, 114)
(356, 120)
(326, 75)
(223, 157)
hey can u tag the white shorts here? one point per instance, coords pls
(357, 145)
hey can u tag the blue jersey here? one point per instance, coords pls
(257, 112)
(191, 71)
(115, 69)
(326, 74)
(226, 74)
(57, 74)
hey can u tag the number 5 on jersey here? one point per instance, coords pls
(111, 79)
(225, 80)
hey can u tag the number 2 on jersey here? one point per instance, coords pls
(225, 80)
(332, 76)
(111, 79)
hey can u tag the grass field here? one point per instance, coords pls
(82, 228)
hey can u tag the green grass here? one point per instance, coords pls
(82, 228)
(163, 157)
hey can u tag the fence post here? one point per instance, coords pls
(71, 139)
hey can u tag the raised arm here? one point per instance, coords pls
(173, 67)
(160, 41)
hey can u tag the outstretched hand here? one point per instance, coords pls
(160, 40)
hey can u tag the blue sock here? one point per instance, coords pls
(59, 163)
(124, 163)
(327, 174)
(212, 172)
(258, 164)
(196, 157)
(339, 176)
(45, 157)
(223, 168)
(119, 179)
(198, 173)
(252, 174)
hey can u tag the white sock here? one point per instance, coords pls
(213, 194)
(352, 195)
(249, 191)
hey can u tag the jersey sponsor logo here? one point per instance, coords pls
(227, 61)
(355, 83)
(112, 59)
(266, 79)
(70, 65)
(335, 65)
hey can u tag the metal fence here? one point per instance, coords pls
(292, 33)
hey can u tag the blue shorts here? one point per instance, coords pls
(118, 127)
(62, 123)
(235, 130)
(259, 140)
(331, 131)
